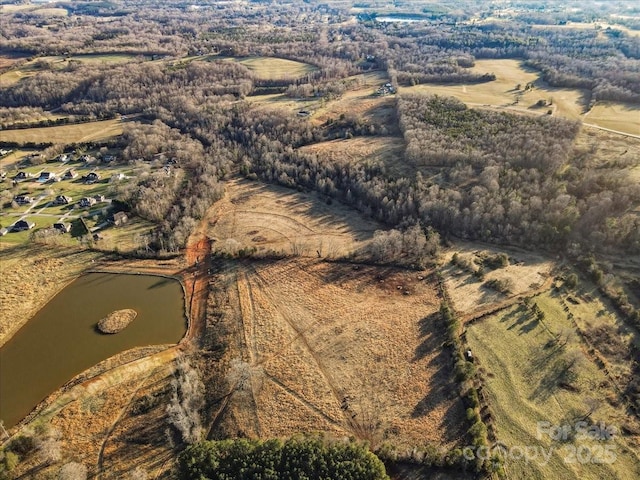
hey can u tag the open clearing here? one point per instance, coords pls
(271, 68)
(502, 92)
(358, 101)
(280, 220)
(531, 378)
(311, 338)
(65, 134)
(615, 116)
(358, 352)
(388, 150)
(526, 272)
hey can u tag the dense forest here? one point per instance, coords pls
(295, 459)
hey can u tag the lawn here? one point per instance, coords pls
(532, 378)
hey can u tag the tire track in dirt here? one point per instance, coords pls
(247, 315)
(112, 427)
(322, 370)
(305, 402)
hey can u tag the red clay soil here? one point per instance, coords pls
(196, 283)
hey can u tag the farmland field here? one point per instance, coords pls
(615, 116)
(65, 134)
(275, 219)
(533, 377)
(271, 68)
(310, 364)
(568, 103)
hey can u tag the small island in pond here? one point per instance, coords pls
(117, 321)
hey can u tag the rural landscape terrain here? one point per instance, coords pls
(319, 239)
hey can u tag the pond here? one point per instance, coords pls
(61, 340)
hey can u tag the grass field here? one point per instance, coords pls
(501, 92)
(65, 134)
(270, 218)
(531, 378)
(276, 68)
(311, 361)
(615, 116)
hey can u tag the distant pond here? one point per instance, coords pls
(61, 340)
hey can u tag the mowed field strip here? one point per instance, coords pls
(565, 102)
(64, 134)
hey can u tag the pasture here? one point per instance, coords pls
(65, 134)
(271, 68)
(615, 116)
(502, 92)
(313, 364)
(539, 371)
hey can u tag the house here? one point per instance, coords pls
(92, 177)
(62, 200)
(46, 177)
(99, 198)
(119, 219)
(4, 151)
(70, 174)
(22, 176)
(63, 158)
(108, 158)
(23, 200)
(62, 227)
(22, 225)
(87, 202)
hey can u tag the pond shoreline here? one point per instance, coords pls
(113, 361)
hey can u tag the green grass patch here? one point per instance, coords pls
(536, 371)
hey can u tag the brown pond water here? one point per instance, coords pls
(61, 340)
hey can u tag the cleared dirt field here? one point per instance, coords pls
(340, 348)
(568, 103)
(65, 134)
(280, 220)
(388, 150)
(540, 371)
(526, 272)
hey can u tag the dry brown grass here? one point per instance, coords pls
(388, 150)
(64, 134)
(344, 349)
(117, 321)
(568, 103)
(277, 219)
(33, 274)
(615, 116)
(526, 271)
